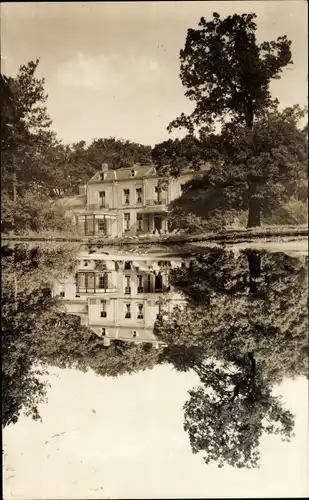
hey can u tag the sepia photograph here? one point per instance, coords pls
(154, 249)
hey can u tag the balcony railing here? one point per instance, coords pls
(97, 206)
(161, 201)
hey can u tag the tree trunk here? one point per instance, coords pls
(14, 189)
(254, 215)
(254, 263)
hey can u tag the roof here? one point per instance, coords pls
(125, 333)
(125, 173)
(140, 171)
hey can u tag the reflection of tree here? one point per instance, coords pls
(28, 311)
(22, 386)
(35, 332)
(234, 309)
(247, 320)
(71, 345)
(227, 415)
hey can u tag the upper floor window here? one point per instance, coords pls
(128, 311)
(126, 196)
(102, 176)
(127, 222)
(102, 198)
(158, 191)
(139, 195)
(128, 264)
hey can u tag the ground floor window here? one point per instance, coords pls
(102, 225)
(140, 283)
(103, 311)
(140, 311)
(139, 222)
(103, 281)
(127, 221)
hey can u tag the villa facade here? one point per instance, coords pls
(126, 201)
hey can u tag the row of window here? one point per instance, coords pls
(126, 198)
(139, 222)
(127, 313)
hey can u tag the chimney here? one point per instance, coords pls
(104, 167)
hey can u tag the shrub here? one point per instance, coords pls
(292, 212)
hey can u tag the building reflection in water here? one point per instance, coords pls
(120, 297)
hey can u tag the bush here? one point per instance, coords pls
(32, 212)
(292, 212)
(190, 223)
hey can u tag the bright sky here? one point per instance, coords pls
(134, 445)
(112, 69)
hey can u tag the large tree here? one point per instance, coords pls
(227, 415)
(25, 130)
(273, 154)
(227, 74)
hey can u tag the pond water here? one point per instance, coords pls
(127, 368)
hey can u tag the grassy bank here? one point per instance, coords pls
(227, 235)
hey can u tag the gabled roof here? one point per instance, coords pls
(125, 173)
(140, 171)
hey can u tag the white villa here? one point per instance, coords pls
(126, 201)
(119, 298)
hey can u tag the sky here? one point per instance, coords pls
(112, 68)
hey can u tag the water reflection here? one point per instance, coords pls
(238, 318)
(121, 297)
